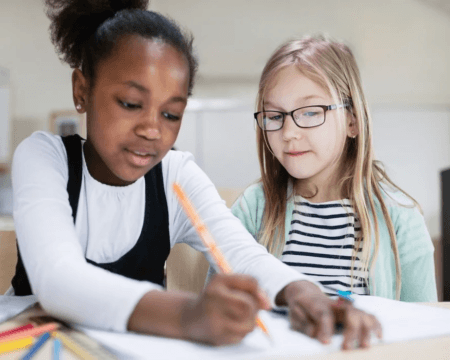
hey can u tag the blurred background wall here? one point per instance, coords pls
(402, 48)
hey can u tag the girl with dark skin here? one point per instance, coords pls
(133, 83)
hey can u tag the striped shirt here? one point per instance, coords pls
(321, 242)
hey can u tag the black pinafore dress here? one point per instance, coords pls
(145, 261)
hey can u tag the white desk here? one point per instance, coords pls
(434, 348)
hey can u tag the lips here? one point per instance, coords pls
(296, 153)
(140, 157)
(141, 153)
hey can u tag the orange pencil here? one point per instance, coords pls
(208, 239)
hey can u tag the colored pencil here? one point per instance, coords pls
(56, 349)
(14, 345)
(31, 332)
(16, 330)
(345, 295)
(34, 349)
(80, 340)
(73, 346)
(208, 239)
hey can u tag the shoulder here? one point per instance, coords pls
(408, 221)
(41, 141)
(177, 163)
(180, 166)
(395, 198)
(249, 207)
(177, 157)
(40, 149)
(252, 196)
(400, 206)
(255, 192)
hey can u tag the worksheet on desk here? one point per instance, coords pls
(400, 321)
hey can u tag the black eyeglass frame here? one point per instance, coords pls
(325, 108)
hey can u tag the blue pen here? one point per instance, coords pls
(56, 349)
(346, 295)
(36, 346)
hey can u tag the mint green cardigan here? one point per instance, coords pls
(414, 244)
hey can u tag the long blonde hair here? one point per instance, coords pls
(332, 65)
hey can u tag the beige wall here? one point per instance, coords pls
(401, 45)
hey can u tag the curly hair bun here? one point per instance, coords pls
(75, 21)
(86, 31)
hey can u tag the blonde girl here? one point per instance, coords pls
(324, 205)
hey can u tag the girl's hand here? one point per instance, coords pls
(314, 314)
(225, 312)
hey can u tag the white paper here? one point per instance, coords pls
(400, 321)
(254, 345)
(406, 321)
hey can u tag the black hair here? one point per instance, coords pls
(86, 31)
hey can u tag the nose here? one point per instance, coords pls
(149, 126)
(290, 129)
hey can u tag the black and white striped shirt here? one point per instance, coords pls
(321, 242)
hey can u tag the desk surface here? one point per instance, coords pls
(436, 348)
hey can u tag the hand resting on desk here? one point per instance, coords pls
(316, 315)
(226, 312)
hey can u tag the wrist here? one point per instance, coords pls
(294, 290)
(186, 319)
(161, 313)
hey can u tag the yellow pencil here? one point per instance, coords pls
(73, 346)
(208, 239)
(14, 345)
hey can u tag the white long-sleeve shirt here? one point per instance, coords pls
(109, 221)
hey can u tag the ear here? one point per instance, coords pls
(352, 127)
(79, 90)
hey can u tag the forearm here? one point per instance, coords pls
(161, 313)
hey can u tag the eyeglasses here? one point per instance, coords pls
(304, 117)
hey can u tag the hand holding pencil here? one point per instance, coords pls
(228, 307)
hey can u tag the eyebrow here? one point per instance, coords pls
(176, 99)
(143, 89)
(302, 99)
(137, 86)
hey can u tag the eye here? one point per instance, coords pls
(275, 118)
(129, 106)
(310, 113)
(171, 117)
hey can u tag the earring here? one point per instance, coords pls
(78, 107)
